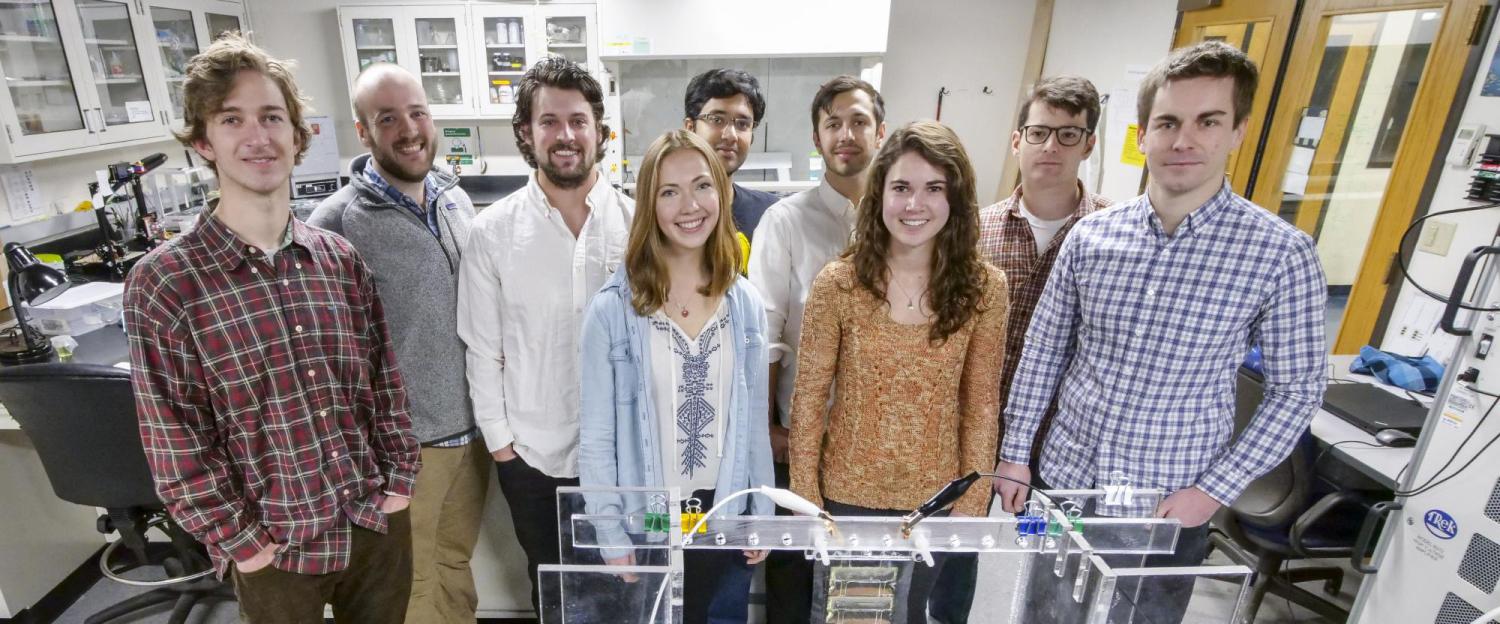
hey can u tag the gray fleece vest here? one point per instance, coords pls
(416, 274)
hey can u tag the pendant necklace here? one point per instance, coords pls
(911, 303)
(682, 309)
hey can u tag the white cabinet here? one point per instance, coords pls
(75, 77)
(469, 57)
(508, 50)
(430, 41)
(82, 75)
(178, 30)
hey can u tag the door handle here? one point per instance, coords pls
(103, 127)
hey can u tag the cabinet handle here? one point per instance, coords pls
(88, 120)
(103, 127)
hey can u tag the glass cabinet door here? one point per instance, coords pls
(218, 24)
(177, 39)
(440, 61)
(374, 41)
(115, 60)
(36, 70)
(505, 58)
(568, 37)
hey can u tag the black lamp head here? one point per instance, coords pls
(35, 283)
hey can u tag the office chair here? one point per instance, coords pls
(82, 420)
(1282, 517)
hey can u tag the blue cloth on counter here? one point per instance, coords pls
(1416, 374)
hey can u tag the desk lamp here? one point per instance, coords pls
(30, 283)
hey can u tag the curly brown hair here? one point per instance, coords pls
(956, 287)
(558, 73)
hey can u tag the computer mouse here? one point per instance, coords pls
(1395, 438)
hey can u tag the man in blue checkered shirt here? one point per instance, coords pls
(1149, 310)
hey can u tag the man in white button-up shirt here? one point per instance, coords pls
(795, 238)
(532, 262)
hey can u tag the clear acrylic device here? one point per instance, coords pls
(621, 552)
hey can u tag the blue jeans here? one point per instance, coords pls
(716, 583)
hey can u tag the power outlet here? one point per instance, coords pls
(1437, 237)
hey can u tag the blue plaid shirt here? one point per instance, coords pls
(427, 214)
(1138, 333)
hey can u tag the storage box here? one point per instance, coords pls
(82, 309)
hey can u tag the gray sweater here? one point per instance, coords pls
(416, 274)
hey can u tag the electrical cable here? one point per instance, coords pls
(1428, 488)
(1040, 493)
(1287, 572)
(1401, 260)
(1429, 485)
(1319, 459)
(660, 594)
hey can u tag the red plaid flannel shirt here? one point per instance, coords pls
(271, 409)
(1005, 241)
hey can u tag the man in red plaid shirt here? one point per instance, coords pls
(272, 412)
(1021, 236)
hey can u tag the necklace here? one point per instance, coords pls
(911, 302)
(682, 309)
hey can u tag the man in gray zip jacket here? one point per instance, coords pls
(410, 220)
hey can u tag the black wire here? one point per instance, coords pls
(1287, 572)
(1325, 452)
(1425, 487)
(1050, 500)
(1136, 609)
(1401, 256)
(1428, 488)
(1414, 398)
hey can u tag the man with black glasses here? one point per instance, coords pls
(724, 106)
(1021, 236)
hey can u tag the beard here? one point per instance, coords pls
(388, 162)
(569, 178)
(850, 169)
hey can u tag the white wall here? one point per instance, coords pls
(63, 182)
(652, 94)
(1101, 41)
(1474, 228)
(705, 28)
(964, 45)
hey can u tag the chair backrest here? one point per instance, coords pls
(1279, 496)
(82, 419)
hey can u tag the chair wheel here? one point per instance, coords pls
(1333, 586)
(104, 525)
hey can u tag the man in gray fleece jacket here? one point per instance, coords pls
(409, 220)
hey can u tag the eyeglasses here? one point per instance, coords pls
(719, 122)
(1067, 135)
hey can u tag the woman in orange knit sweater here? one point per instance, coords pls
(907, 331)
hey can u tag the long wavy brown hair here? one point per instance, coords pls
(957, 282)
(644, 266)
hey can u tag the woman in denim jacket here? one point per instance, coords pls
(674, 371)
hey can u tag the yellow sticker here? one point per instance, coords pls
(1130, 153)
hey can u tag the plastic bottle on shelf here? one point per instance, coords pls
(502, 34)
(515, 32)
(116, 66)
